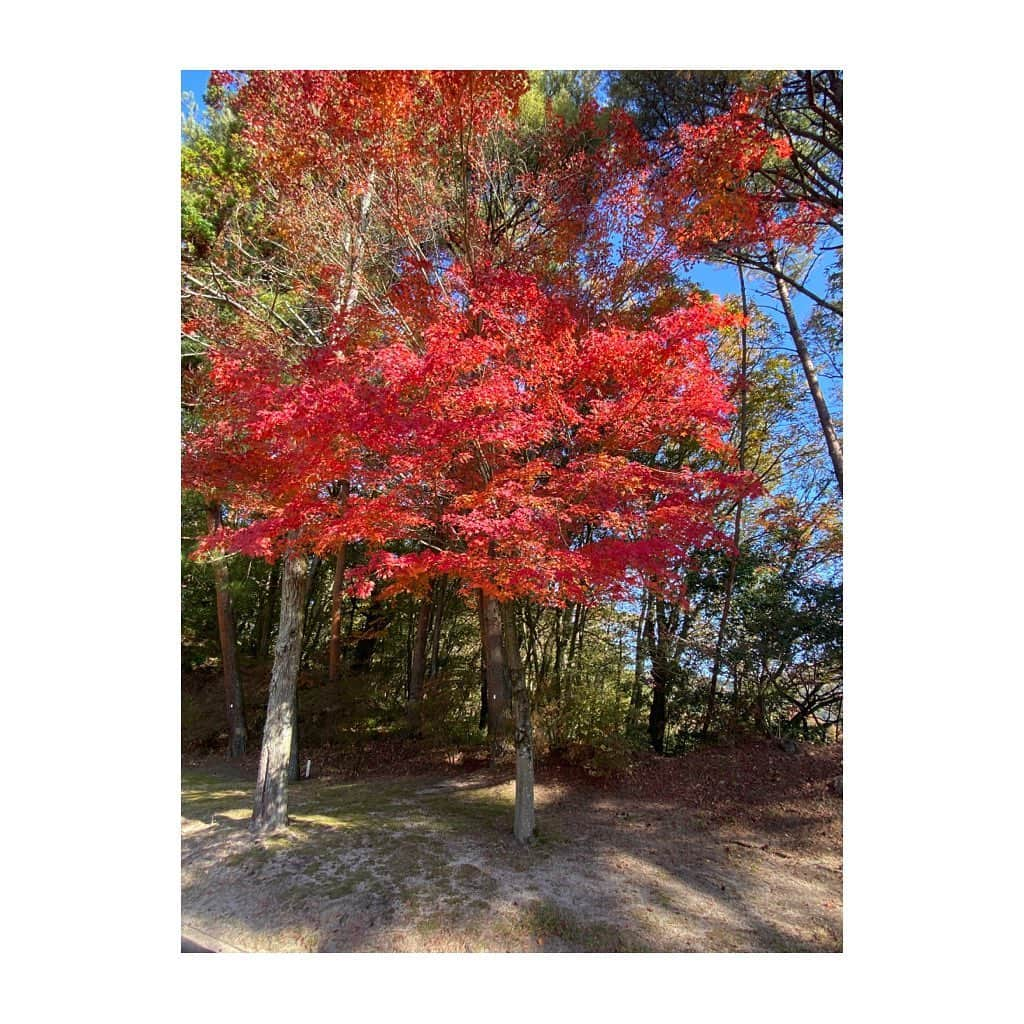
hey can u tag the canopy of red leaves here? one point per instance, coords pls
(503, 403)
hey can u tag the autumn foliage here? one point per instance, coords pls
(502, 396)
(442, 355)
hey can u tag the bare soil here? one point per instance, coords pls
(725, 849)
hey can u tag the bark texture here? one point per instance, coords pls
(233, 702)
(270, 811)
(524, 821)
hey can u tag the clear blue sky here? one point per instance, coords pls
(195, 83)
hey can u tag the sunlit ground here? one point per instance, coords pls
(430, 864)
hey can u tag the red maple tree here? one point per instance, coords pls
(499, 402)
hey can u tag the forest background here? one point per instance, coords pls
(702, 623)
(897, 927)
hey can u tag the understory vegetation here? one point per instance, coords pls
(511, 418)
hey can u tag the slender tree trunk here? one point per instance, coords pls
(523, 822)
(559, 649)
(337, 597)
(832, 442)
(378, 618)
(637, 697)
(531, 618)
(584, 614)
(730, 582)
(270, 811)
(267, 612)
(497, 675)
(656, 722)
(418, 665)
(565, 684)
(314, 609)
(439, 589)
(233, 700)
(659, 679)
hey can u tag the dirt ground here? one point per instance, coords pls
(727, 849)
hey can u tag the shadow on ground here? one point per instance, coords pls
(428, 863)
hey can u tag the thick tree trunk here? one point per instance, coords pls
(418, 665)
(483, 689)
(499, 695)
(233, 701)
(523, 822)
(270, 811)
(832, 442)
(293, 750)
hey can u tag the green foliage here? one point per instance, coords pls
(215, 179)
(560, 92)
(199, 642)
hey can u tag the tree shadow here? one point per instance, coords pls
(430, 863)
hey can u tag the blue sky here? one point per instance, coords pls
(195, 83)
(717, 279)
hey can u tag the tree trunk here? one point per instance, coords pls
(559, 648)
(233, 701)
(378, 618)
(418, 665)
(659, 678)
(523, 822)
(832, 442)
(636, 699)
(312, 615)
(656, 722)
(267, 612)
(293, 749)
(483, 689)
(499, 693)
(337, 597)
(441, 596)
(730, 582)
(270, 811)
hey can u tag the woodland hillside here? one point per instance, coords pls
(512, 432)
